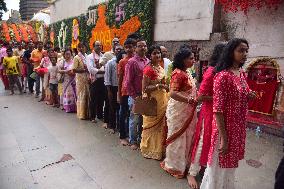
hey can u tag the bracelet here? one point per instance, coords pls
(189, 99)
(158, 86)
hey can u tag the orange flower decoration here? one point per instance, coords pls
(24, 32)
(103, 33)
(16, 32)
(130, 26)
(32, 33)
(6, 33)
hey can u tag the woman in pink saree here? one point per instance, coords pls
(181, 116)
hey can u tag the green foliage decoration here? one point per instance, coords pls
(143, 8)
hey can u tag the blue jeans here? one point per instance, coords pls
(123, 119)
(135, 124)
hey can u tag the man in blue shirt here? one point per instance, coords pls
(111, 83)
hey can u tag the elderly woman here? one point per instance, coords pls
(68, 83)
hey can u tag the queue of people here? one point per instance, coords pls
(105, 86)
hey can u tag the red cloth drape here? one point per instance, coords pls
(266, 92)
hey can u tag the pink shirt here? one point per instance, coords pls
(134, 75)
(45, 62)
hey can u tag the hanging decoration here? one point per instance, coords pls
(75, 34)
(5, 31)
(22, 32)
(16, 32)
(62, 36)
(246, 5)
(32, 33)
(51, 35)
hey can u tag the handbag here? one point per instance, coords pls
(33, 75)
(61, 76)
(145, 105)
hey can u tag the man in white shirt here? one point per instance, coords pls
(110, 54)
(166, 62)
(97, 87)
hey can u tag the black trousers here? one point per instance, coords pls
(113, 108)
(31, 81)
(98, 104)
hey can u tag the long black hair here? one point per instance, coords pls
(151, 50)
(179, 58)
(227, 58)
(218, 49)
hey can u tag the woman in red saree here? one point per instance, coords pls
(202, 136)
(181, 117)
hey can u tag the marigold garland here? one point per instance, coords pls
(130, 26)
(245, 5)
(5, 30)
(16, 33)
(102, 32)
(32, 33)
(24, 32)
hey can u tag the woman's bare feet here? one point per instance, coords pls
(192, 182)
(124, 142)
(104, 125)
(134, 147)
(94, 121)
(12, 92)
(111, 131)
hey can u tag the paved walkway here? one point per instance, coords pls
(34, 138)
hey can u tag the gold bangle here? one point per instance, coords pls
(189, 99)
(158, 86)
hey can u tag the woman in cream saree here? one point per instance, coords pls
(82, 83)
(181, 116)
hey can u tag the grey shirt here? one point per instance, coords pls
(111, 73)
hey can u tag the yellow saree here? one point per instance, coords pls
(154, 127)
(82, 89)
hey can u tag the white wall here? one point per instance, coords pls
(264, 29)
(63, 9)
(182, 20)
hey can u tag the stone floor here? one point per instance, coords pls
(34, 138)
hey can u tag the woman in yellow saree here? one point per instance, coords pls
(154, 127)
(82, 83)
(181, 116)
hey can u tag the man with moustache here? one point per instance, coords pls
(133, 86)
